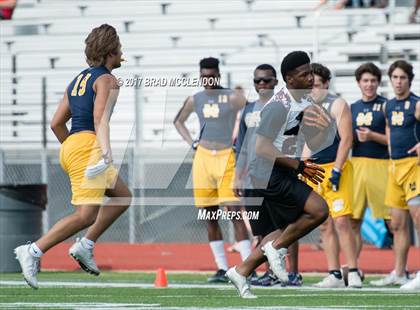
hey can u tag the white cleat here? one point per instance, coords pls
(391, 279)
(331, 282)
(84, 257)
(412, 285)
(354, 280)
(29, 265)
(240, 283)
(277, 261)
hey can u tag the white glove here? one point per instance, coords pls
(97, 169)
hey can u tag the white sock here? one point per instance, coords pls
(218, 249)
(34, 250)
(244, 249)
(87, 244)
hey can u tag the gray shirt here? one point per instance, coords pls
(216, 115)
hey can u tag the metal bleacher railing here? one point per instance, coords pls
(42, 50)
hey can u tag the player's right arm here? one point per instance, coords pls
(106, 89)
(182, 117)
(60, 118)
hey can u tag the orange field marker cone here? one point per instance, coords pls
(161, 280)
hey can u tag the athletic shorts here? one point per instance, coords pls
(285, 196)
(264, 224)
(370, 177)
(213, 176)
(77, 152)
(403, 182)
(339, 202)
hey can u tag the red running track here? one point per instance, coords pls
(198, 257)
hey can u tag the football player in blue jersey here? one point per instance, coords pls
(370, 150)
(86, 157)
(402, 115)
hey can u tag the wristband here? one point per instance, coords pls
(337, 170)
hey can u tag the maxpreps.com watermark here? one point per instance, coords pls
(220, 214)
(168, 82)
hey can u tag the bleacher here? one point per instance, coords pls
(167, 39)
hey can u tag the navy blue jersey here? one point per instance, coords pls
(82, 97)
(404, 128)
(216, 114)
(369, 114)
(328, 154)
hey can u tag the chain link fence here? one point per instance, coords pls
(158, 213)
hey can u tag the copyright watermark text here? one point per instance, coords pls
(220, 214)
(167, 82)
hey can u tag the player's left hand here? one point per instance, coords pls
(416, 149)
(311, 171)
(363, 134)
(335, 179)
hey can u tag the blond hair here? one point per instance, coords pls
(101, 42)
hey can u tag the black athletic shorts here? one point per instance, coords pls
(264, 224)
(285, 196)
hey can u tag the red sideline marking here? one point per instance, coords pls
(197, 256)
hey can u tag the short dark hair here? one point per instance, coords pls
(292, 61)
(368, 67)
(321, 71)
(209, 63)
(267, 67)
(404, 66)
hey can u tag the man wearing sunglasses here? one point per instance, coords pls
(265, 80)
(214, 160)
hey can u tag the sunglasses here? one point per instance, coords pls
(265, 80)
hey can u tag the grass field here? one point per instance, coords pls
(114, 290)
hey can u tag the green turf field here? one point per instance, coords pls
(112, 290)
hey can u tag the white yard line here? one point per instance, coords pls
(76, 305)
(117, 306)
(76, 284)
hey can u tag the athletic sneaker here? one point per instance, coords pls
(277, 260)
(413, 284)
(218, 277)
(240, 283)
(354, 280)
(84, 257)
(295, 279)
(331, 282)
(267, 279)
(29, 264)
(391, 279)
(253, 277)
